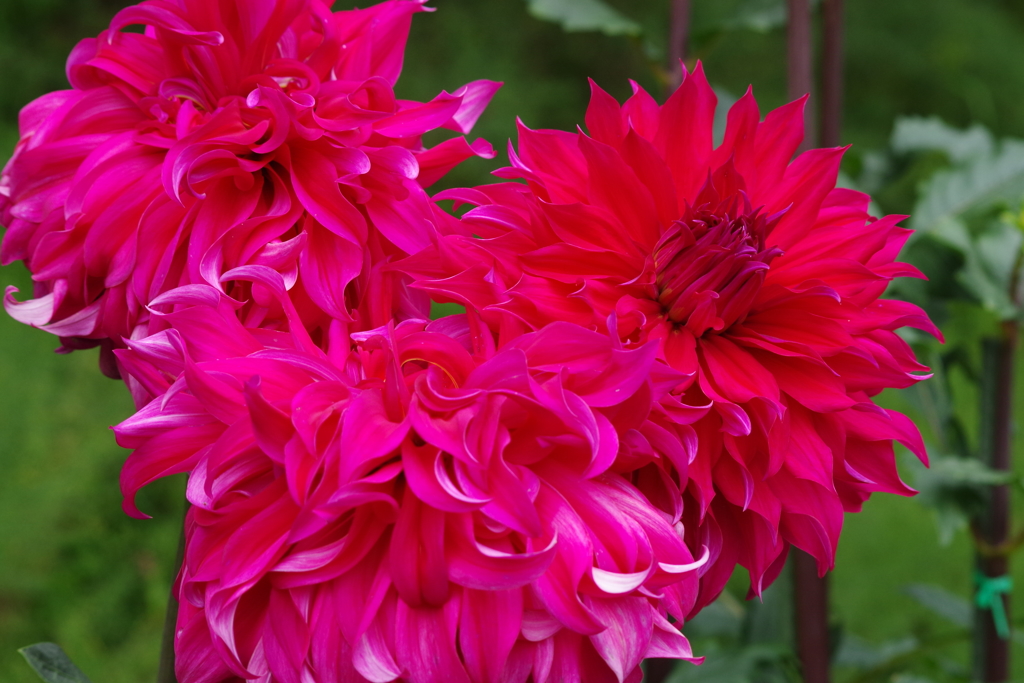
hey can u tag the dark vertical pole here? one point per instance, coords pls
(679, 33)
(165, 671)
(657, 670)
(992, 654)
(810, 610)
(831, 72)
(801, 70)
(810, 593)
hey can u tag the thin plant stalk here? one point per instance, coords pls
(811, 617)
(657, 670)
(992, 649)
(831, 72)
(810, 592)
(165, 672)
(679, 34)
(800, 71)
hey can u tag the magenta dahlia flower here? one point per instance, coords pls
(415, 503)
(758, 279)
(229, 132)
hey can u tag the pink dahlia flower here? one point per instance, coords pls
(413, 503)
(229, 132)
(758, 279)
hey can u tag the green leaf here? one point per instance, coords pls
(955, 488)
(982, 182)
(722, 618)
(989, 259)
(52, 664)
(949, 606)
(584, 15)
(735, 666)
(919, 134)
(760, 16)
(860, 654)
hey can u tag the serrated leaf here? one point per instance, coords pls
(723, 617)
(760, 16)
(52, 664)
(989, 259)
(953, 471)
(584, 15)
(955, 488)
(918, 134)
(949, 606)
(858, 653)
(932, 400)
(736, 666)
(981, 182)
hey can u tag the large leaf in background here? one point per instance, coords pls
(980, 182)
(920, 134)
(584, 15)
(740, 666)
(760, 16)
(52, 664)
(949, 606)
(956, 488)
(744, 642)
(990, 256)
(859, 654)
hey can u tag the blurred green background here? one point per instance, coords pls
(75, 570)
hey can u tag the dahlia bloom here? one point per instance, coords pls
(413, 503)
(229, 132)
(758, 279)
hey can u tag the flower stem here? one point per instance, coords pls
(992, 651)
(165, 672)
(800, 70)
(810, 611)
(679, 33)
(831, 72)
(810, 592)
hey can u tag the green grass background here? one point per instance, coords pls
(75, 570)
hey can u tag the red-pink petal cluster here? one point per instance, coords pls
(413, 502)
(758, 279)
(228, 133)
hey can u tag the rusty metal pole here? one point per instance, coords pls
(657, 670)
(832, 80)
(800, 70)
(678, 39)
(992, 639)
(810, 592)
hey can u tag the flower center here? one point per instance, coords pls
(710, 265)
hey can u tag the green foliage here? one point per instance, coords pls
(584, 15)
(920, 134)
(52, 664)
(743, 642)
(957, 488)
(75, 569)
(949, 606)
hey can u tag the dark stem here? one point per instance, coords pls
(657, 670)
(679, 33)
(810, 593)
(165, 673)
(801, 71)
(831, 72)
(810, 611)
(992, 652)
